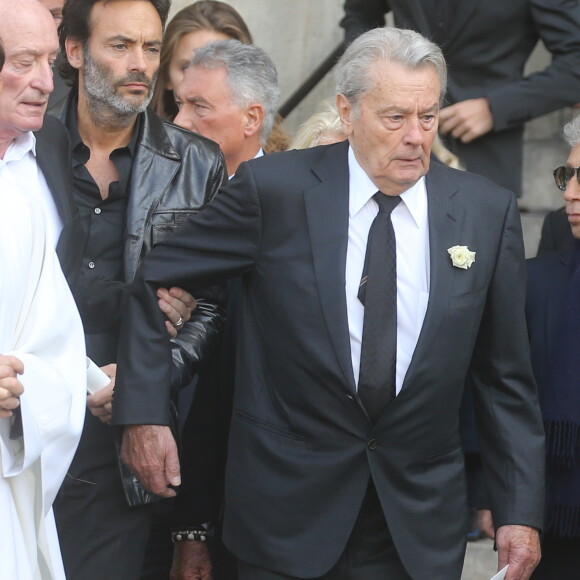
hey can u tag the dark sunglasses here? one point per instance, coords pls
(562, 175)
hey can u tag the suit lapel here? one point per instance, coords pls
(49, 161)
(445, 219)
(327, 215)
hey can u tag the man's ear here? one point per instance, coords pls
(74, 52)
(254, 117)
(344, 108)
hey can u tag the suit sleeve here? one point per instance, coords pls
(508, 416)
(362, 15)
(199, 336)
(558, 25)
(220, 242)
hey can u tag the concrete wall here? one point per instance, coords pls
(298, 35)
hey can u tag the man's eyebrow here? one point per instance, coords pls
(130, 40)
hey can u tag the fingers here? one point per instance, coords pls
(10, 387)
(172, 468)
(151, 454)
(176, 303)
(13, 363)
(171, 330)
(518, 546)
(485, 523)
(466, 120)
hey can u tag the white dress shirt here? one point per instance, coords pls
(411, 227)
(19, 167)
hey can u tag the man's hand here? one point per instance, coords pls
(466, 120)
(101, 403)
(518, 546)
(177, 305)
(485, 523)
(10, 387)
(191, 561)
(150, 452)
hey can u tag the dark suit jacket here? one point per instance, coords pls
(52, 156)
(486, 44)
(302, 447)
(556, 232)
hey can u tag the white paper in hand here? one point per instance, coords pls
(501, 574)
(96, 378)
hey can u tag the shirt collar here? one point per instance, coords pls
(71, 123)
(21, 146)
(362, 189)
(260, 153)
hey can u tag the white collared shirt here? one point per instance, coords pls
(19, 167)
(411, 225)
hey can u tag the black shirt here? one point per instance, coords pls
(103, 220)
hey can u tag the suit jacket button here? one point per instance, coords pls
(349, 397)
(372, 444)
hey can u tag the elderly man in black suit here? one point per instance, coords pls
(486, 44)
(357, 332)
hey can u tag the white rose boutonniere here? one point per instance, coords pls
(461, 257)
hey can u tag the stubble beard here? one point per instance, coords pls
(106, 106)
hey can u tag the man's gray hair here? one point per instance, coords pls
(387, 44)
(251, 75)
(572, 132)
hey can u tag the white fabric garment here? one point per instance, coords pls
(19, 166)
(411, 225)
(40, 325)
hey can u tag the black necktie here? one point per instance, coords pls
(378, 293)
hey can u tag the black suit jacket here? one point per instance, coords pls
(302, 447)
(486, 44)
(52, 156)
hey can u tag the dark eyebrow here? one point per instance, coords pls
(128, 40)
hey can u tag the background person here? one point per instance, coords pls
(136, 179)
(553, 315)
(196, 25)
(486, 45)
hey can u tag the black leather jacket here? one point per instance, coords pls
(175, 174)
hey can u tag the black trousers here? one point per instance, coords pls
(369, 554)
(101, 537)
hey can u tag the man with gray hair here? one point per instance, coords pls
(373, 283)
(553, 316)
(229, 94)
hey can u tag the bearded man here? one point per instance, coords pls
(136, 180)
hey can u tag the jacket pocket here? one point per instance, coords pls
(166, 222)
(267, 426)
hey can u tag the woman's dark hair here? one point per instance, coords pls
(76, 21)
(2, 57)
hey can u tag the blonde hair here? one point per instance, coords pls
(323, 124)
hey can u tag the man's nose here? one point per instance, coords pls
(413, 132)
(138, 61)
(183, 119)
(43, 78)
(572, 191)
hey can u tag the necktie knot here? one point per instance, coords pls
(387, 203)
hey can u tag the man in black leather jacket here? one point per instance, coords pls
(136, 180)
